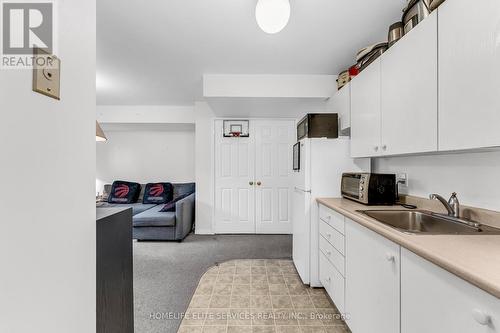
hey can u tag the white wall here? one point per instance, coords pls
(146, 156)
(47, 159)
(149, 114)
(474, 176)
(204, 143)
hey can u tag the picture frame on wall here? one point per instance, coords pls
(296, 156)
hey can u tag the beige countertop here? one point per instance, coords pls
(474, 258)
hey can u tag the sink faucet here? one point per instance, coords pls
(452, 205)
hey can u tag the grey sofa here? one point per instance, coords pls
(151, 224)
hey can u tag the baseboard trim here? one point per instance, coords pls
(203, 232)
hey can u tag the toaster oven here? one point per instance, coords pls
(369, 188)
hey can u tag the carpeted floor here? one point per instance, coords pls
(166, 274)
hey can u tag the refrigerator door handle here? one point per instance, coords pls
(301, 190)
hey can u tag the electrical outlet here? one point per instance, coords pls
(402, 179)
(46, 74)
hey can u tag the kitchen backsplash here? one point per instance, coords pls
(475, 176)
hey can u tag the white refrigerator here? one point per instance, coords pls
(322, 162)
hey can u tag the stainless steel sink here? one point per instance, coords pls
(424, 222)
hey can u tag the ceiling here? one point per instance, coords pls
(151, 127)
(155, 52)
(266, 107)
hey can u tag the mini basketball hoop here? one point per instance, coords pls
(236, 128)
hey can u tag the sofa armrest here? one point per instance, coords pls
(184, 216)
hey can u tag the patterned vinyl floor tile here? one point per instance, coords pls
(259, 296)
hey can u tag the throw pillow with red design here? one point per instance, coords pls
(123, 192)
(157, 193)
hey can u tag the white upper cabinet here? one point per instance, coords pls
(410, 91)
(469, 74)
(435, 301)
(372, 295)
(340, 103)
(365, 112)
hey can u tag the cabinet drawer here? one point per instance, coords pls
(334, 219)
(333, 282)
(334, 256)
(332, 236)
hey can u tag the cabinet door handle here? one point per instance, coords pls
(384, 147)
(328, 253)
(329, 235)
(375, 148)
(390, 257)
(481, 317)
(250, 183)
(259, 183)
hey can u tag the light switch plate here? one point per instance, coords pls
(46, 74)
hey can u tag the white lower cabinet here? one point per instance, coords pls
(372, 281)
(383, 288)
(436, 301)
(331, 255)
(333, 282)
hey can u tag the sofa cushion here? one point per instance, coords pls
(170, 206)
(157, 193)
(123, 192)
(154, 218)
(183, 189)
(137, 208)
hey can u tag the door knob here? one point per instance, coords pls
(250, 183)
(259, 183)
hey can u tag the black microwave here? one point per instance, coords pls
(318, 125)
(369, 188)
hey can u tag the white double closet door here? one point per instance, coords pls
(253, 179)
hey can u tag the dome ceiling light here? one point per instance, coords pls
(272, 15)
